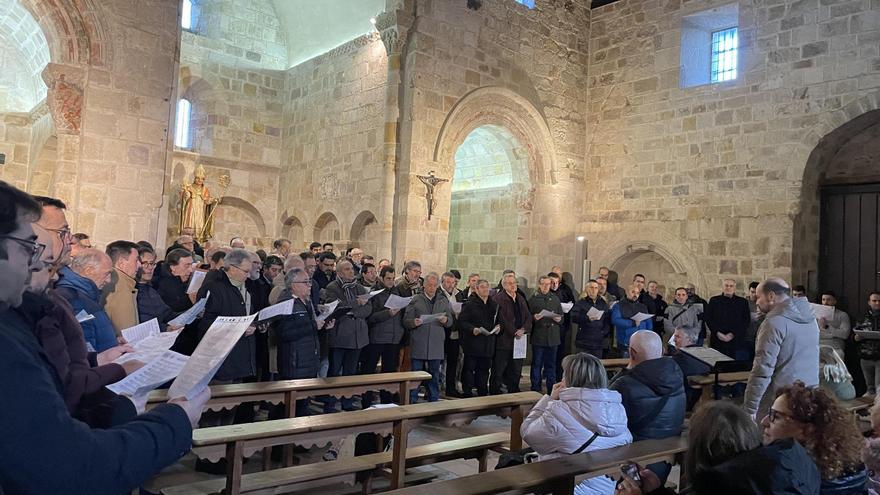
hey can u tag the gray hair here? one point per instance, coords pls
(692, 333)
(410, 265)
(447, 275)
(432, 275)
(542, 278)
(473, 275)
(293, 261)
(482, 281)
(87, 258)
(182, 237)
(342, 264)
(776, 286)
(292, 274)
(648, 344)
(236, 256)
(584, 371)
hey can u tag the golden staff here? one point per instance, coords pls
(224, 183)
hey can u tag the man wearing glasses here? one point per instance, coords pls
(54, 220)
(36, 428)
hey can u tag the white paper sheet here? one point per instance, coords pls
(370, 295)
(494, 331)
(548, 314)
(192, 313)
(150, 348)
(195, 281)
(456, 307)
(217, 343)
(396, 302)
(431, 318)
(326, 310)
(595, 314)
(566, 307)
(823, 311)
(140, 332)
(153, 374)
(90, 347)
(640, 317)
(280, 309)
(84, 316)
(520, 346)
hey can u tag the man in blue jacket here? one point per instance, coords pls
(80, 284)
(622, 318)
(44, 450)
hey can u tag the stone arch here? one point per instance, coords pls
(820, 146)
(74, 31)
(292, 228)
(365, 232)
(495, 105)
(25, 57)
(327, 228)
(247, 208)
(653, 261)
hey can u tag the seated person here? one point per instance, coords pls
(690, 366)
(833, 375)
(579, 415)
(725, 457)
(827, 431)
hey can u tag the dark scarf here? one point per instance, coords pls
(628, 308)
(349, 289)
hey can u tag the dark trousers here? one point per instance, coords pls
(505, 370)
(343, 362)
(475, 373)
(562, 349)
(370, 357)
(432, 366)
(452, 347)
(599, 353)
(543, 364)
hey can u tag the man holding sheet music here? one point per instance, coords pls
(386, 333)
(593, 318)
(629, 316)
(516, 322)
(547, 312)
(834, 325)
(428, 316)
(478, 329)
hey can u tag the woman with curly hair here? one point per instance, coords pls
(815, 419)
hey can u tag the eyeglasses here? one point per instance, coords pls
(774, 415)
(239, 268)
(35, 247)
(148, 263)
(308, 282)
(63, 233)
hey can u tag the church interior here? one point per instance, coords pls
(688, 144)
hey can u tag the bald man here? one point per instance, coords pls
(787, 347)
(80, 284)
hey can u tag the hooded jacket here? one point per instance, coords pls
(653, 395)
(385, 328)
(427, 340)
(477, 314)
(83, 295)
(591, 333)
(787, 349)
(555, 428)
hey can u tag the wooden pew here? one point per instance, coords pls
(615, 364)
(707, 382)
(858, 404)
(238, 441)
(558, 476)
(288, 391)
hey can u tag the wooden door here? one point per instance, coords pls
(849, 237)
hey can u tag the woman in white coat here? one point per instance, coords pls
(579, 408)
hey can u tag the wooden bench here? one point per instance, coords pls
(707, 382)
(238, 441)
(614, 365)
(285, 479)
(558, 476)
(857, 404)
(288, 391)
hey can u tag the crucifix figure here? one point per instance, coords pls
(430, 181)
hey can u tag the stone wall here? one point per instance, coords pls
(244, 33)
(24, 53)
(334, 109)
(483, 233)
(711, 176)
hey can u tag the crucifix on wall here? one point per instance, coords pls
(430, 181)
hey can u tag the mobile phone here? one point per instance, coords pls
(631, 471)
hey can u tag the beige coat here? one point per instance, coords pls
(120, 301)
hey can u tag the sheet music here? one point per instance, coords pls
(431, 318)
(707, 355)
(548, 314)
(595, 314)
(640, 317)
(520, 347)
(195, 281)
(192, 313)
(566, 307)
(326, 310)
(150, 348)
(456, 307)
(140, 332)
(367, 297)
(280, 309)
(396, 302)
(494, 331)
(823, 311)
(217, 343)
(84, 316)
(158, 371)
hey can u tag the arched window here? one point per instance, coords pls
(186, 15)
(182, 135)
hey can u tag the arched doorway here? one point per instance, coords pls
(365, 233)
(491, 175)
(654, 266)
(327, 229)
(292, 229)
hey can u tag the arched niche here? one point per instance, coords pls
(327, 229)
(365, 232)
(292, 229)
(655, 264)
(237, 217)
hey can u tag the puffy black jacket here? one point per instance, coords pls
(647, 387)
(226, 300)
(591, 333)
(476, 313)
(150, 305)
(299, 349)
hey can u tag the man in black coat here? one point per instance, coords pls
(477, 319)
(592, 331)
(566, 295)
(326, 271)
(728, 317)
(653, 393)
